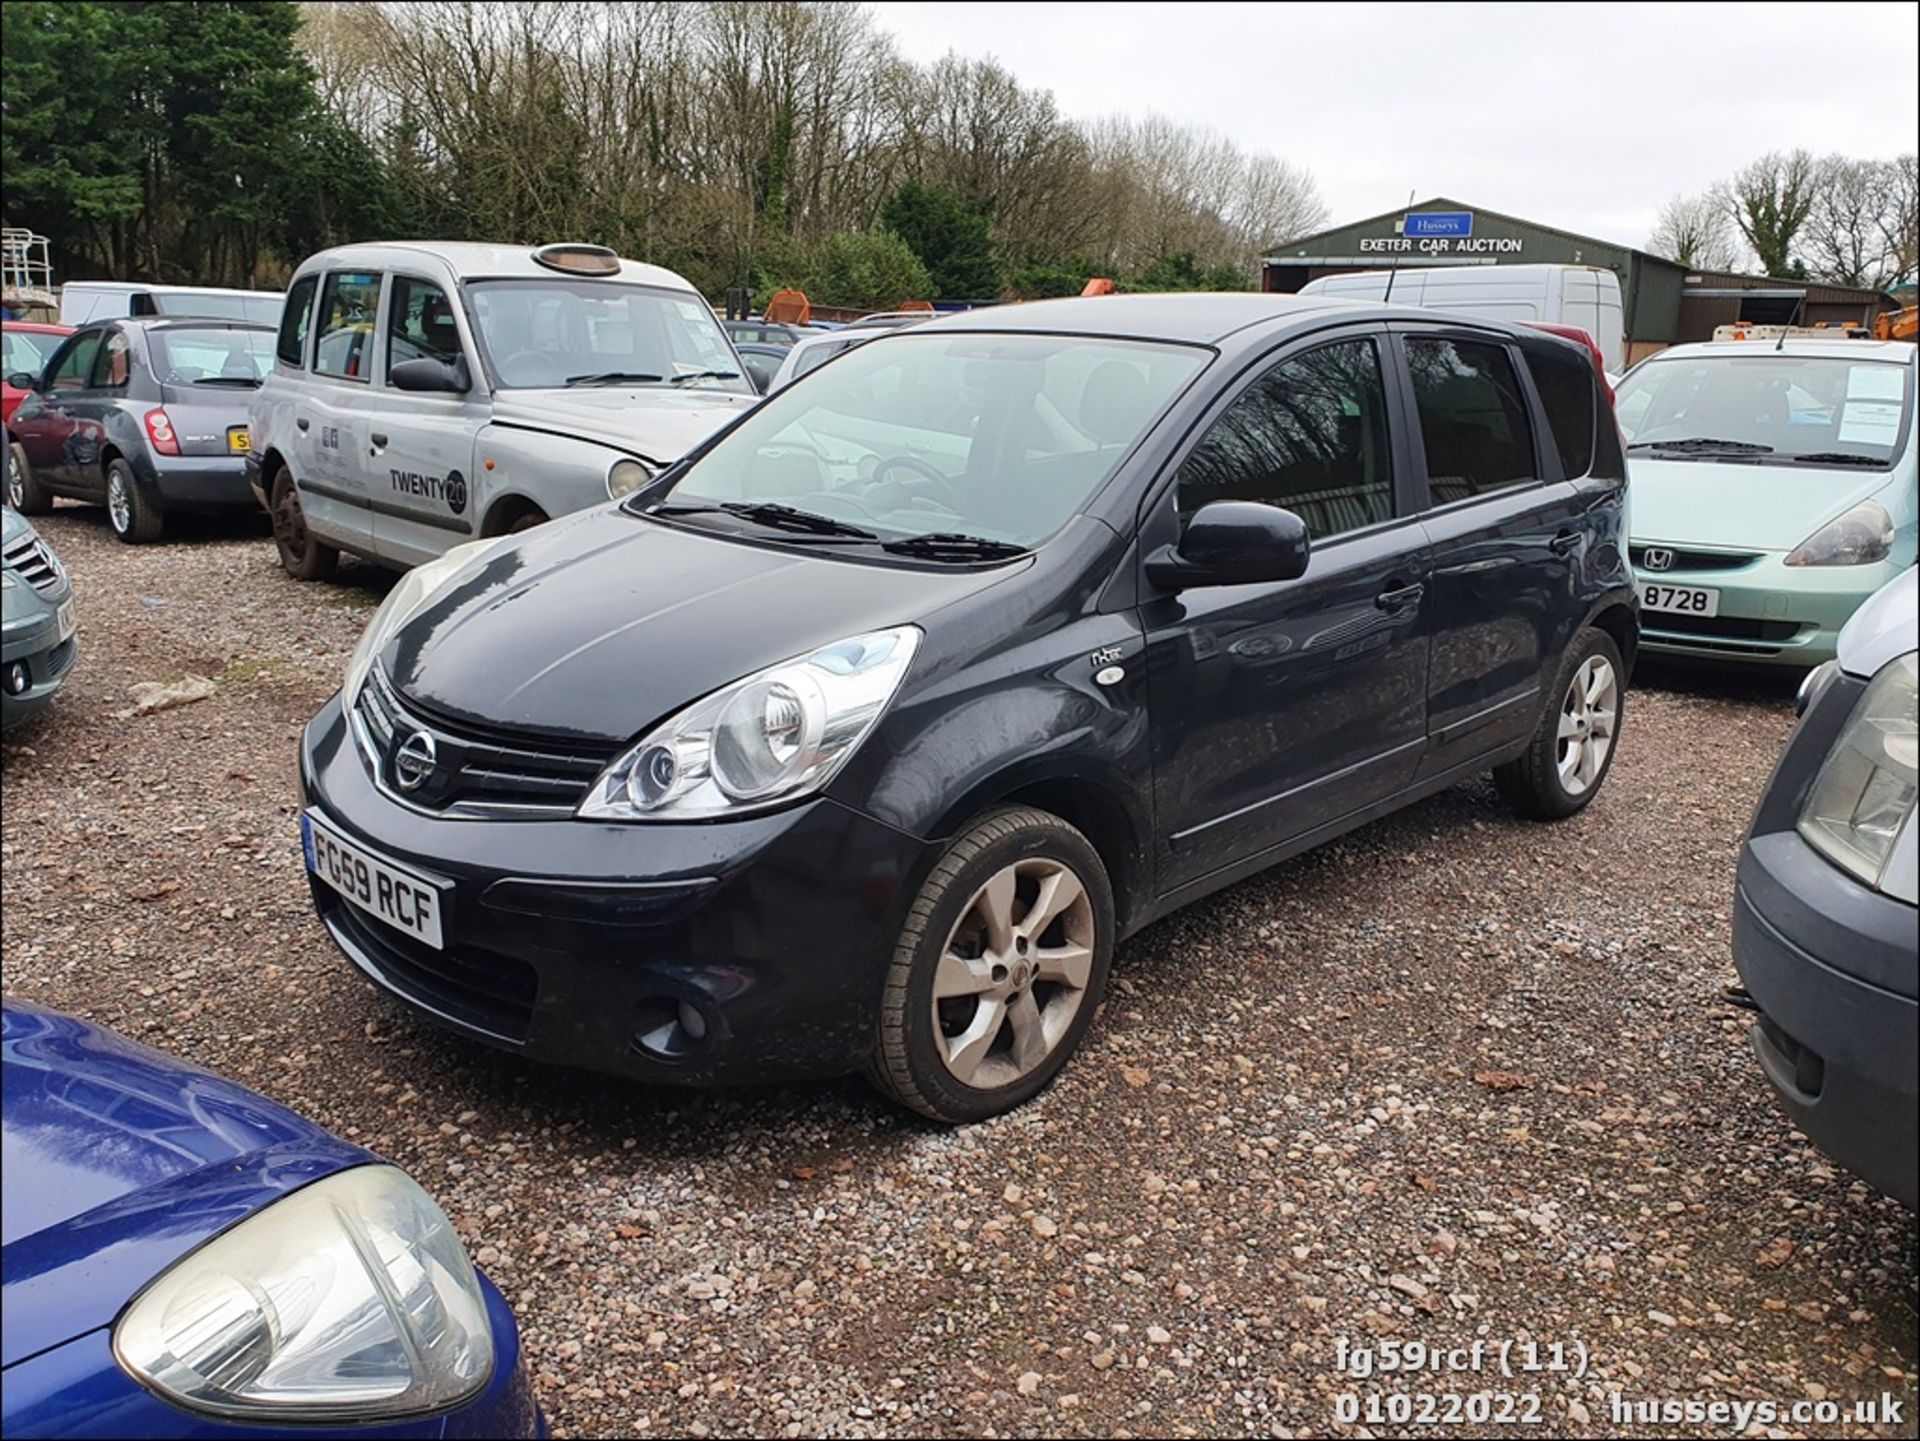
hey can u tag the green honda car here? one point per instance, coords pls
(1773, 492)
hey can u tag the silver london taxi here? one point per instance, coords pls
(427, 393)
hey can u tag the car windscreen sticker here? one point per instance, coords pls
(1875, 382)
(1870, 422)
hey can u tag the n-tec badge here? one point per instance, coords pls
(1106, 656)
(413, 763)
(1654, 558)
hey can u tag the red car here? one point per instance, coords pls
(27, 345)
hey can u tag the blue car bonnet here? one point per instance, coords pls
(118, 1161)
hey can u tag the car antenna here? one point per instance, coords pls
(1792, 320)
(1394, 269)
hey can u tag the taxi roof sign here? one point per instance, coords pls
(574, 258)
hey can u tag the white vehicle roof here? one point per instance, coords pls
(1839, 349)
(128, 287)
(471, 260)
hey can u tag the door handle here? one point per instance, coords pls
(1563, 543)
(1400, 598)
(378, 439)
(302, 422)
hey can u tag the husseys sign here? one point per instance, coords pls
(1439, 232)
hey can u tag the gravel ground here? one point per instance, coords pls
(1455, 1077)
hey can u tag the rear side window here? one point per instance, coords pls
(112, 369)
(1472, 417)
(349, 302)
(295, 320)
(1565, 383)
(1310, 435)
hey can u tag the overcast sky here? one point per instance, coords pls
(1583, 117)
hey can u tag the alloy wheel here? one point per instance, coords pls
(119, 504)
(1589, 714)
(1014, 973)
(16, 492)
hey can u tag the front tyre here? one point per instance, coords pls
(24, 491)
(129, 512)
(1572, 750)
(998, 969)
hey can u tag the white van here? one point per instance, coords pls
(85, 300)
(427, 393)
(1582, 295)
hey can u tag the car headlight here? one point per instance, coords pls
(350, 1299)
(403, 602)
(1860, 537)
(779, 733)
(1864, 794)
(626, 477)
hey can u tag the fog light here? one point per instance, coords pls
(17, 678)
(692, 1022)
(667, 1028)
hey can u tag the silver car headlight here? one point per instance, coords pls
(1860, 537)
(403, 602)
(1862, 800)
(349, 1300)
(626, 477)
(774, 735)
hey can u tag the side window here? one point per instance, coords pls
(1472, 417)
(349, 302)
(296, 318)
(1565, 383)
(1311, 435)
(73, 366)
(420, 323)
(111, 369)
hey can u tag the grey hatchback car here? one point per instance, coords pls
(147, 415)
(37, 644)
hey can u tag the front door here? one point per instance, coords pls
(421, 442)
(1280, 708)
(44, 424)
(1505, 531)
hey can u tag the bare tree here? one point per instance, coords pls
(1771, 200)
(1696, 231)
(1847, 237)
(1899, 218)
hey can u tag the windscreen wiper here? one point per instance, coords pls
(954, 546)
(1704, 443)
(683, 378)
(1837, 457)
(611, 377)
(772, 515)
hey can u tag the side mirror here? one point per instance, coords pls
(21, 380)
(1233, 542)
(426, 373)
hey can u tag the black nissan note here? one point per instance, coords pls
(859, 738)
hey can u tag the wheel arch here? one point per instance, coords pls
(1616, 616)
(505, 510)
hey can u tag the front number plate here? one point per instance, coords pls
(63, 620)
(393, 894)
(1685, 599)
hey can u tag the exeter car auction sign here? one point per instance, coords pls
(1439, 232)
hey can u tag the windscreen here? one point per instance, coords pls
(189, 355)
(1810, 409)
(549, 334)
(1004, 437)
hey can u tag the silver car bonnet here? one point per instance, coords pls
(1886, 626)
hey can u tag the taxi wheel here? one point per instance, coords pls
(24, 492)
(129, 512)
(1573, 747)
(998, 969)
(526, 521)
(303, 555)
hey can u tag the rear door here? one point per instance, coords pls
(420, 443)
(1278, 708)
(332, 418)
(1505, 527)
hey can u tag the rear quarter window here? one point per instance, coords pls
(1565, 383)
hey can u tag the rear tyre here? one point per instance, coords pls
(24, 493)
(129, 512)
(998, 969)
(303, 555)
(1573, 748)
